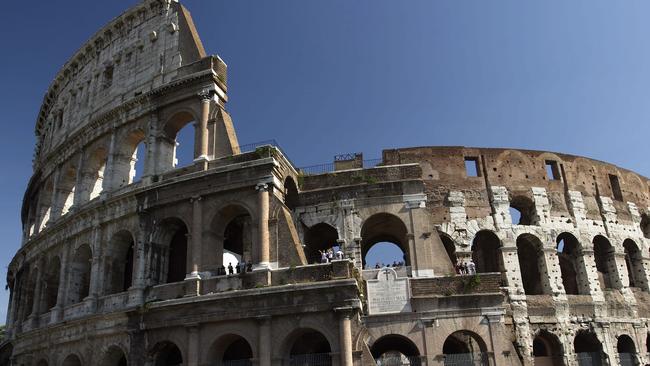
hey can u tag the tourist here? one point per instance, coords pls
(471, 267)
(377, 266)
(323, 256)
(230, 269)
(339, 254)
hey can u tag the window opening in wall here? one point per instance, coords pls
(552, 170)
(471, 167)
(616, 187)
(531, 264)
(384, 254)
(485, 252)
(393, 350)
(108, 77)
(605, 262)
(570, 258)
(318, 239)
(450, 247)
(645, 225)
(384, 241)
(184, 152)
(522, 211)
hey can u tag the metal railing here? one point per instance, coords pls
(331, 167)
(252, 146)
(589, 358)
(241, 362)
(401, 361)
(313, 359)
(627, 359)
(467, 359)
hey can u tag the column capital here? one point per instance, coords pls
(206, 95)
(262, 187)
(346, 311)
(195, 199)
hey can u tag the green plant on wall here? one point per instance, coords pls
(471, 283)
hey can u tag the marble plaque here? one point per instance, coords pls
(388, 294)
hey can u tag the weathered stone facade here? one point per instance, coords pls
(114, 271)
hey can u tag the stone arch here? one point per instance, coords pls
(45, 201)
(532, 264)
(67, 187)
(79, 279)
(169, 262)
(319, 237)
(522, 210)
(307, 346)
(72, 360)
(465, 347)
(634, 265)
(588, 349)
(513, 165)
(645, 225)
(450, 247)
(291, 199)
(574, 277)
(604, 254)
(626, 350)
(118, 271)
(168, 147)
(231, 233)
(166, 353)
(52, 282)
(114, 356)
(231, 350)
(132, 148)
(486, 248)
(392, 349)
(93, 174)
(384, 227)
(547, 349)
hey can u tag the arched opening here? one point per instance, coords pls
(605, 263)
(42, 362)
(531, 264)
(309, 348)
(72, 360)
(232, 232)
(177, 262)
(132, 152)
(465, 348)
(231, 350)
(52, 282)
(30, 294)
(450, 247)
(486, 253)
(571, 265)
(547, 350)
(378, 230)
(634, 265)
(178, 149)
(66, 188)
(167, 354)
(119, 266)
(626, 351)
(319, 238)
(395, 350)
(45, 205)
(588, 349)
(79, 279)
(522, 211)
(290, 193)
(645, 225)
(93, 177)
(114, 357)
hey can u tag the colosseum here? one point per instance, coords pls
(510, 257)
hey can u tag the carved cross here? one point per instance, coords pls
(386, 272)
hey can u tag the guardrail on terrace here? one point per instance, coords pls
(331, 167)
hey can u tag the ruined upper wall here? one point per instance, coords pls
(136, 52)
(443, 170)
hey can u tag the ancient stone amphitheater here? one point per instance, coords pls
(115, 270)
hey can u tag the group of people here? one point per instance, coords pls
(238, 268)
(395, 264)
(333, 253)
(465, 268)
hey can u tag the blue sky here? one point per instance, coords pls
(339, 76)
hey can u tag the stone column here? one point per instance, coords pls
(345, 334)
(78, 190)
(192, 345)
(36, 305)
(264, 346)
(263, 260)
(12, 304)
(107, 183)
(95, 282)
(57, 311)
(139, 265)
(201, 128)
(197, 236)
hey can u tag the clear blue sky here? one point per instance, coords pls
(336, 76)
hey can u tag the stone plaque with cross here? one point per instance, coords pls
(388, 294)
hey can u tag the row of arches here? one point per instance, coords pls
(110, 165)
(486, 254)
(588, 350)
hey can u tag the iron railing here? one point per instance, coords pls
(589, 358)
(627, 359)
(331, 167)
(401, 361)
(242, 362)
(313, 359)
(467, 359)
